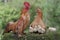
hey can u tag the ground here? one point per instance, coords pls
(33, 36)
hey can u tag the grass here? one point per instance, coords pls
(33, 36)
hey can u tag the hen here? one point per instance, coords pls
(37, 25)
(20, 25)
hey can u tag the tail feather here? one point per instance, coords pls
(6, 29)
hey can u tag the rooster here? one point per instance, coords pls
(37, 25)
(20, 25)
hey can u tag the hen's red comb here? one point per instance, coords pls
(26, 4)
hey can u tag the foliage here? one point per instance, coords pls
(8, 14)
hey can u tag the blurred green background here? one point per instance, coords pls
(10, 11)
